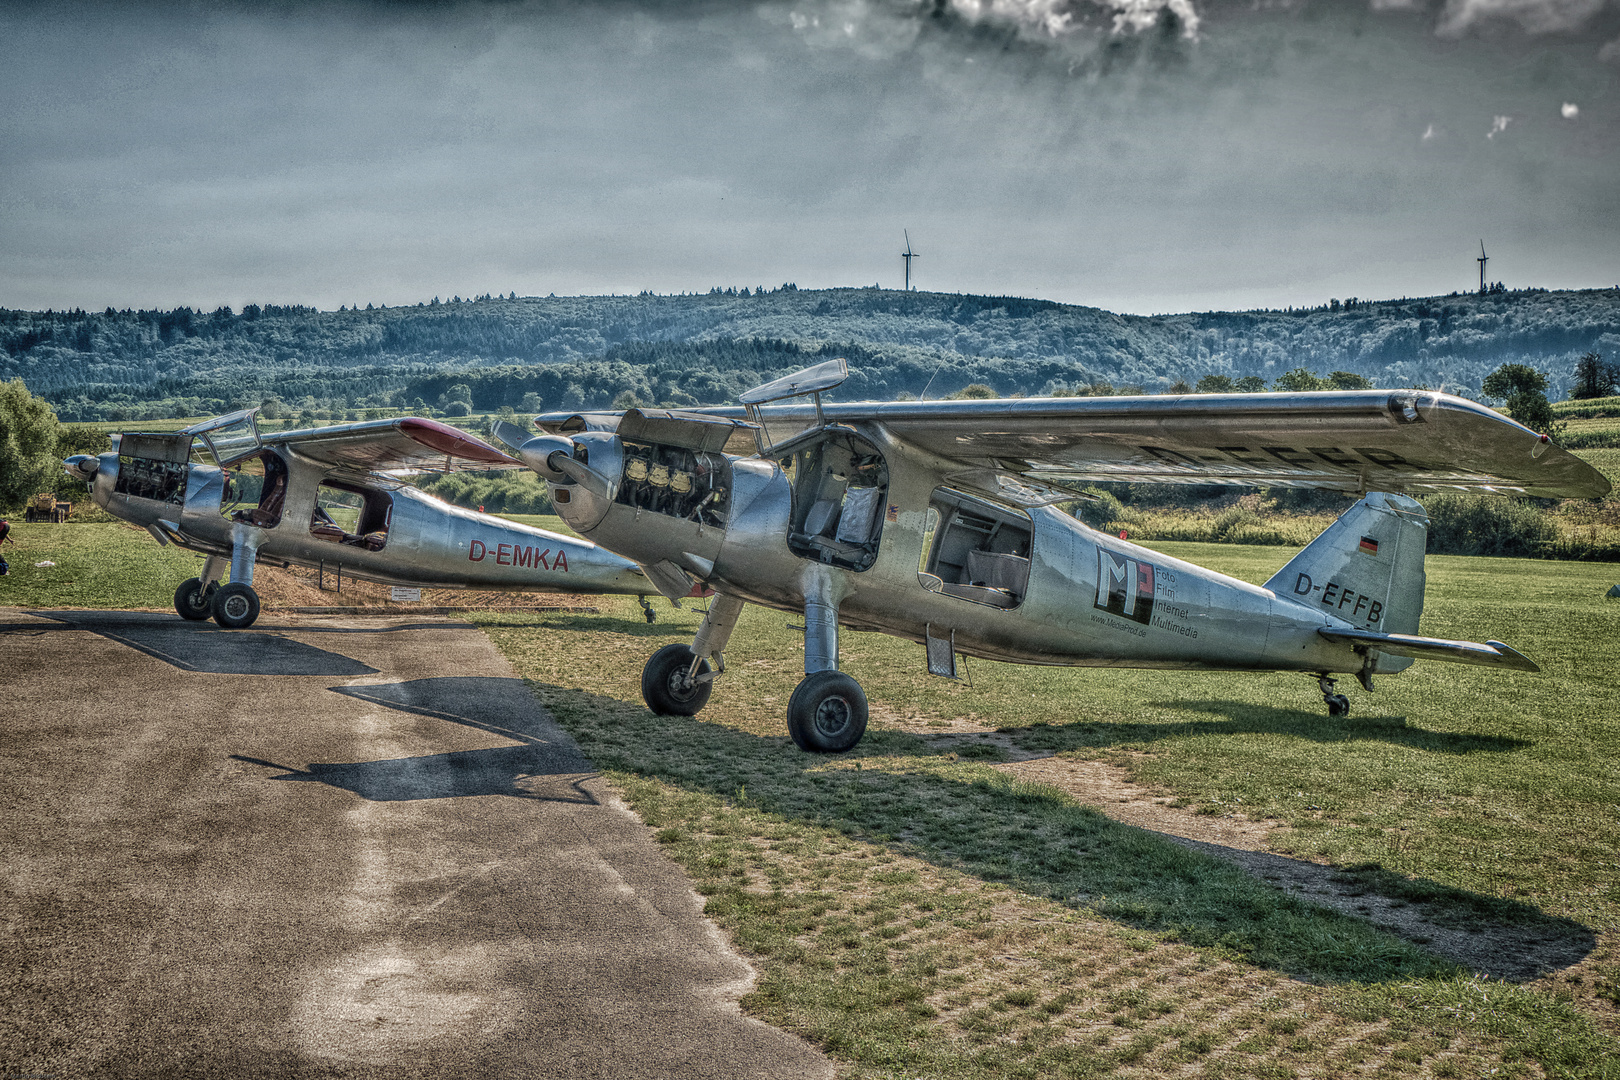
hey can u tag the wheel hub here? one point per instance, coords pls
(832, 716)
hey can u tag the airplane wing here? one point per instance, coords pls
(407, 443)
(1352, 441)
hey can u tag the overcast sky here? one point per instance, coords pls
(1135, 155)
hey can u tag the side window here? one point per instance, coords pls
(351, 515)
(975, 550)
(255, 490)
(840, 500)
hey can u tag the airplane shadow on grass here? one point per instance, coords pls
(1247, 718)
(544, 764)
(977, 820)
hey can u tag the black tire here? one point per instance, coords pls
(664, 686)
(235, 606)
(827, 713)
(193, 600)
(1338, 705)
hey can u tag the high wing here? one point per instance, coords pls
(1352, 441)
(406, 443)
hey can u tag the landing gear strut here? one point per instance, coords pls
(646, 608)
(827, 712)
(235, 606)
(1338, 704)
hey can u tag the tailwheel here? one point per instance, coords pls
(827, 712)
(671, 686)
(1337, 704)
(193, 600)
(235, 606)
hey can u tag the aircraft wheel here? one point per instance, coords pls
(665, 686)
(827, 712)
(236, 606)
(193, 600)
(1338, 705)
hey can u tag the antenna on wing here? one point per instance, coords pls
(1482, 260)
(908, 255)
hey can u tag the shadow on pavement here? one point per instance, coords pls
(205, 648)
(545, 765)
(517, 771)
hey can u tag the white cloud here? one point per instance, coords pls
(1570, 110)
(1610, 52)
(1534, 16)
(1498, 125)
(1428, 133)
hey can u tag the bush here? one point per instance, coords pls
(1488, 525)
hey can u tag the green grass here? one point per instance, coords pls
(110, 565)
(1486, 797)
(918, 911)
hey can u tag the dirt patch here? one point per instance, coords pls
(1518, 952)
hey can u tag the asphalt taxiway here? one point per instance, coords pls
(332, 847)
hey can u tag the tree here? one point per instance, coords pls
(1216, 384)
(1348, 380)
(972, 391)
(28, 433)
(1178, 387)
(1525, 391)
(1299, 379)
(1251, 384)
(1594, 378)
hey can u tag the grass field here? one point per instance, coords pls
(920, 911)
(922, 914)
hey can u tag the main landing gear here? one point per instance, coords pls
(234, 606)
(827, 712)
(1337, 704)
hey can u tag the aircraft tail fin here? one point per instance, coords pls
(1366, 568)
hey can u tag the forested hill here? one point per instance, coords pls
(586, 352)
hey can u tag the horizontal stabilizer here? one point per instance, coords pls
(1490, 654)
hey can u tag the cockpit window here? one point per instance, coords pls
(840, 499)
(352, 515)
(255, 490)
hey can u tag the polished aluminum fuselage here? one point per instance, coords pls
(1199, 618)
(429, 541)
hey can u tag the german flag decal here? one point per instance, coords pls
(1368, 546)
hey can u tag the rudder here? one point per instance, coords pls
(1366, 568)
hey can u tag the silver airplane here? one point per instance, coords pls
(935, 522)
(332, 499)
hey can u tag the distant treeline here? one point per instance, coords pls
(588, 352)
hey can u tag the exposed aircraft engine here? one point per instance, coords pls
(675, 481)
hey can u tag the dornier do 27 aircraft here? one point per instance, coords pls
(935, 521)
(331, 499)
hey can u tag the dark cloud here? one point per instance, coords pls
(1142, 156)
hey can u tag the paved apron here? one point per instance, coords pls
(328, 847)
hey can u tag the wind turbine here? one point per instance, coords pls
(1482, 260)
(908, 255)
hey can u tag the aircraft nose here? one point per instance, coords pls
(538, 453)
(82, 466)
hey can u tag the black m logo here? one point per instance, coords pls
(1125, 587)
